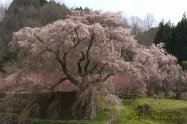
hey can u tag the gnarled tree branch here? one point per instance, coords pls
(59, 82)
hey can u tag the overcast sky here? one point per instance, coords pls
(161, 9)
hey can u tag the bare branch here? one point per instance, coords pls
(100, 79)
(145, 61)
(89, 46)
(59, 82)
(79, 64)
(109, 75)
(86, 66)
(39, 39)
(87, 56)
(63, 64)
(100, 72)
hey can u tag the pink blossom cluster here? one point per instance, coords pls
(89, 47)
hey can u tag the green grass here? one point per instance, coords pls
(158, 110)
(161, 111)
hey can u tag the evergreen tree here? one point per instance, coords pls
(164, 34)
(42, 2)
(174, 37)
(180, 40)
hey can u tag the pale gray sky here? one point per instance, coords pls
(5, 1)
(161, 9)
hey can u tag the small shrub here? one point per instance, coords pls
(143, 109)
(184, 65)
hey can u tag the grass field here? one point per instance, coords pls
(160, 111)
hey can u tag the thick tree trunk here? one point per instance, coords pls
(178, 95)
(149, 89)
(178, 91)
(166, 93)
(86, 104)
